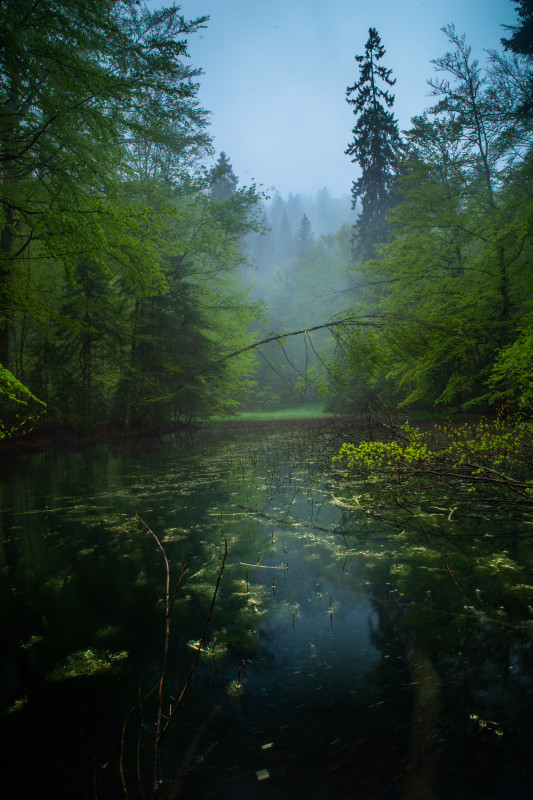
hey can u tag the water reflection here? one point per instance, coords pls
(348, 654)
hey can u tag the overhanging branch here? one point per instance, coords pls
(347, 321)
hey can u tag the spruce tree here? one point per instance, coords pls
(521, 42)
(224, 179)
(376, 145)
(305, 235)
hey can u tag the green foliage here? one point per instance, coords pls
(13, 394)
(490, 458)
(511, 378)
(119, 292)
(12, 389)
(450, 290)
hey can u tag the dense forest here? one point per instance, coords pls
(137, 274)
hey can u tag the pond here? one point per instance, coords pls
(348, 653)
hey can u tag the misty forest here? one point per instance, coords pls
(267, 479)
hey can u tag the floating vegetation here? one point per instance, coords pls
(86, 663)
(235, 689)
(287, 611)
(18, 705)
(213, 649)
(203, 589)
(249, 615)
(499, 563)
(487, 725)
(109, 632)
(32, 641)
(141, 579)
(174, 534)
(56, 583)
(361, 571)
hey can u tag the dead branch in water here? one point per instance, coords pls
(161, 728)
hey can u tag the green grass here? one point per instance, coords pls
(296, 412)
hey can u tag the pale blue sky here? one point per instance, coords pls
(276, 73)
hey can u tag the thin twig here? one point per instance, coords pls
(168, 608)
(200, 644)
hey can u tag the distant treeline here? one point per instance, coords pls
(126, 244)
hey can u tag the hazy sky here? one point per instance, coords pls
(276, 73)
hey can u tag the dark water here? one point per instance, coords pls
(387, 656)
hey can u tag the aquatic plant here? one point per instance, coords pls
(235, 689)
(18, 705)
(212, 650)
(86, 663)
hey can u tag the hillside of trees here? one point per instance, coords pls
(133, 263)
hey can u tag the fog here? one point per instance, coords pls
(275, 76)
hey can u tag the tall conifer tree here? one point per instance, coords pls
(305, 235)
(376, 144)
(521, 42)
(224, 179)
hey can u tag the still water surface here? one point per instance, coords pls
(383, 657)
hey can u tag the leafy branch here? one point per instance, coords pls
(493, 459)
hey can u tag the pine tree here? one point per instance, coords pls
(521, 42)
(305, 235)
(224, 179)
(376, 146)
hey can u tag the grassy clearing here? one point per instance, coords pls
(309, 410)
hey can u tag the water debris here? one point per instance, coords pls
(235, 689)
(488, 725)
(86, 663)
(32, 641)
(18, 705)
(109, 632)
(267, 746)
(212, 649)
(262, 774)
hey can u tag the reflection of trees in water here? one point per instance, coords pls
(451, 598)
(455, 612)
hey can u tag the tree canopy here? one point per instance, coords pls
(450, 289)
(107, 215)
